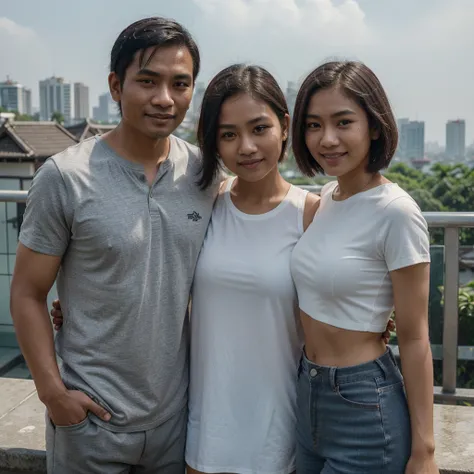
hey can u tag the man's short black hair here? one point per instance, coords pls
(154, 32)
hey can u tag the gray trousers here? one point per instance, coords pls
(87, 448)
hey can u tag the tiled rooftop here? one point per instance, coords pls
(88, 129)
(33, 139)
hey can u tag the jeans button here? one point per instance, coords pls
(313, 372)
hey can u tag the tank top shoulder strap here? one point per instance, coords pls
(228, 184)
(297, 196)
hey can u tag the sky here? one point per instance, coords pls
(421, 50)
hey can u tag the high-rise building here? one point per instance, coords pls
(291, 93)
(96, 114)
(55, 96)
(456, 139)
(27, 106)
(15, 97)
(107, 110)
(81, 101)
(411, 140)
(400, 122)
(198, 95)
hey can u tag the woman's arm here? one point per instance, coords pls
(411, 291)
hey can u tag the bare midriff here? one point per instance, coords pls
(332, 346)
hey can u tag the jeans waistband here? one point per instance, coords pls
(385, 366)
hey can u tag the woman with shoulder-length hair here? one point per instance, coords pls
(365, 253)
(245, 333)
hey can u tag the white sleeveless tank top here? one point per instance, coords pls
(245, 341)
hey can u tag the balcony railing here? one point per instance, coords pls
(451, 222)
(13, 196)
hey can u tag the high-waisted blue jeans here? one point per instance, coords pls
(352, 419)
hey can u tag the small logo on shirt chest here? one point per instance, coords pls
(194, 216)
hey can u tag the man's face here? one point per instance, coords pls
(156, 94)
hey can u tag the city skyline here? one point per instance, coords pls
(418, 49)
(412, 142)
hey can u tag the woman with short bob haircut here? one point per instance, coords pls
(365, 253)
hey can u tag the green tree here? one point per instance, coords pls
(57, 117)
(19, 117)
(24, 117)
(404, 170)
(426, 200)
(446, 187)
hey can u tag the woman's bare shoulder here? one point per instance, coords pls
(311, 206)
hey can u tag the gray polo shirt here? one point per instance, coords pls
(129, 253)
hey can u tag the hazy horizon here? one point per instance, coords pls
(418, 49)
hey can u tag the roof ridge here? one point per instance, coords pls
(10, 128)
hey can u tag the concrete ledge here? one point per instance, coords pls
(29, 461)
(22, 425)
(9, 357)
(463, 395)
(22, 461)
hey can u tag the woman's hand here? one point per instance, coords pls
(422, 465)
(57, 315)
(386, 335)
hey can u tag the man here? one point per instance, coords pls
(120, 221)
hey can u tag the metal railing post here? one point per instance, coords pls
(450, 319)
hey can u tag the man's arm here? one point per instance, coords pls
(33, 277)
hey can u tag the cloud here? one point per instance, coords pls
(420, 50)
(288, 37)
(426, 66)
(318, 20)
(25, 54)
(14, 30)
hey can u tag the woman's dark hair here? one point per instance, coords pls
(359, 83)
(155, 32)
(233, 80)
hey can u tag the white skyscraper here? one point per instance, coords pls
(15, 97)
(81, 101)
(412, 139)
(27, 106)
(55, 96)
(456, 139)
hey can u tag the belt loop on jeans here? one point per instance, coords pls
(332, 378)
(381, 364)
(300, 365)
(392, 356)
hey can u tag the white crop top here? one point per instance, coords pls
(341, 264)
